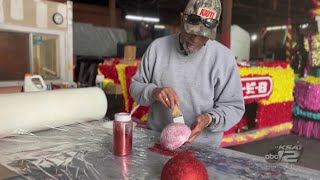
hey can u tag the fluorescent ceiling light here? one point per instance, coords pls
(158, 26)
(274, 28)
(254, 37)
(303, 26)
(142, 18)
(135, 18)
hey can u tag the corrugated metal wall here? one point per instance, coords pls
(89, 40)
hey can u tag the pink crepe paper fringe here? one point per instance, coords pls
(307, 95)
(305, 127)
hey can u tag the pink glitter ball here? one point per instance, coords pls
(174, 135)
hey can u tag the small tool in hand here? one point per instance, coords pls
(177, 115)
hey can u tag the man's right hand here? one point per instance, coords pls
(166, 95)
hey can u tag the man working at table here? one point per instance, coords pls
(192, 70)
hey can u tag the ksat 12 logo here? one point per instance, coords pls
(284, 153)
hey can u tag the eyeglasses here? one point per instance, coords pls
(195, 20)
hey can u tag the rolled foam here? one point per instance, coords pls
(36, 111)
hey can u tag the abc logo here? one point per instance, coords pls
(272, 156)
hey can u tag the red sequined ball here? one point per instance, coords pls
(184, 167)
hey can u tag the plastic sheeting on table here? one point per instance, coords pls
(84, 151)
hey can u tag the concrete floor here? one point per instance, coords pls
(311, 153)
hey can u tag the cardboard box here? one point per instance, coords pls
(112, 88)
(6, 173)
(129, 62)
(13, 89)
(130, 52)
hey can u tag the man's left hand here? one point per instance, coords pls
(196, 128)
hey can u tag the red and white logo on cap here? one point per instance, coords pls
(207, 13)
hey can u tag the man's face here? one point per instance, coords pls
(192, 43)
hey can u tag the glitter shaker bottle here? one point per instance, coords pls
(122, 134)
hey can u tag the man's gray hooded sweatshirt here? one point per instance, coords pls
(206, 81)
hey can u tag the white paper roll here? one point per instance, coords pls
(36, 111)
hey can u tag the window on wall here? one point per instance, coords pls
(22, 53)
(45, 56)
(14, 55)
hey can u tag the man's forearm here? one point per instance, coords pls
(142, 92)
(226, 116)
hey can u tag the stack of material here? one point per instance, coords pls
(306, 109)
